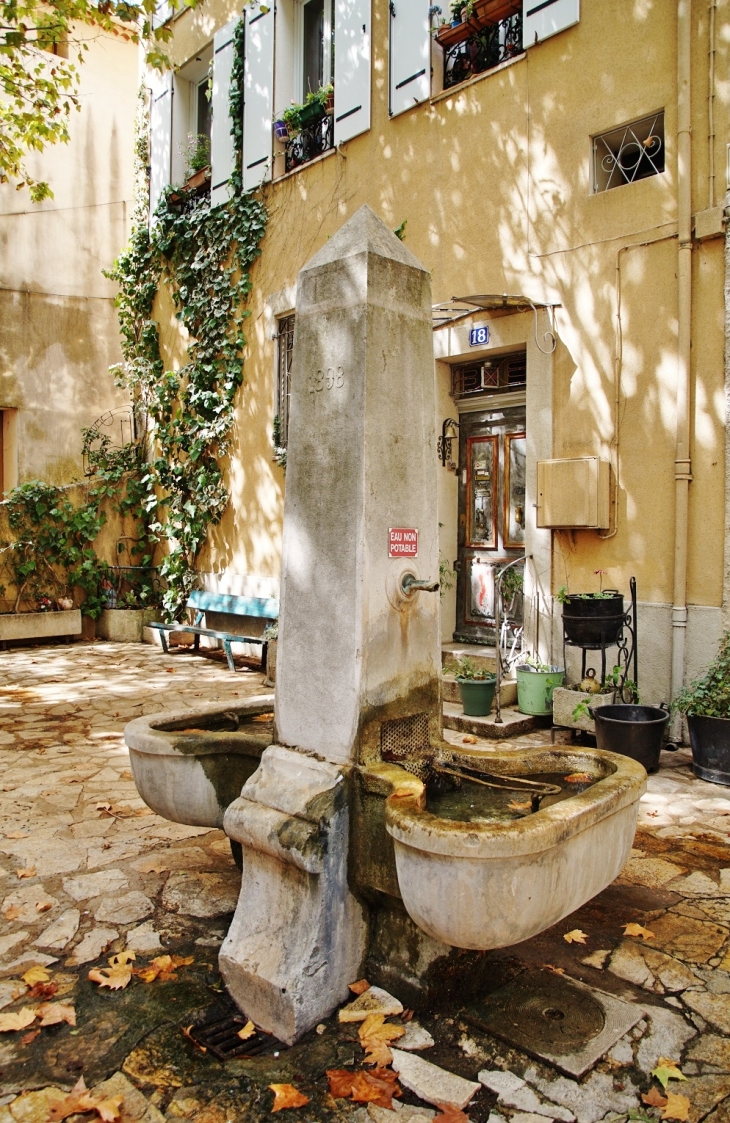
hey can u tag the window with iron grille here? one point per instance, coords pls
(285, 347)
(630, 153)
(499, 373)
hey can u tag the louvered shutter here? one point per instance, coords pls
(258, 97)
(543, 18)
(160, 137)
(222, 151)
(410, 54)
(352, 68)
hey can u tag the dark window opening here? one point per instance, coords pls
(500, 373)
(628, 154)
(285, 351)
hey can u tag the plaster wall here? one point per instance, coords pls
(59, 327)
(494, 180)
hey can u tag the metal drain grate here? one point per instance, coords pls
(556, 1019)
(219, 1034)
(405, 741)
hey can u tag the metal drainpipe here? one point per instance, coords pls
(682, 463)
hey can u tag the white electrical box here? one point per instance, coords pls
(574, 494)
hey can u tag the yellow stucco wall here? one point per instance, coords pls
(59, 331)
(494, 182)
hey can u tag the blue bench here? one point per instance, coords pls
(264, 608)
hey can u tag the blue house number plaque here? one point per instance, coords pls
(479, 336)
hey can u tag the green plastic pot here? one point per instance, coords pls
(535, 689)
(477, 695)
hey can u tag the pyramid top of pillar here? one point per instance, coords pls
(364, 233)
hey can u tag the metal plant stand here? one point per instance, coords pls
(619, 632)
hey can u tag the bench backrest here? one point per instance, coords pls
(265, 607)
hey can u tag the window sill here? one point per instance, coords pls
(461, 86)
(303, 167)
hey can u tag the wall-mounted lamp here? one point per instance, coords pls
(449, 430)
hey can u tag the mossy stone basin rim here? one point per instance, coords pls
(494, 884)
(189, 773)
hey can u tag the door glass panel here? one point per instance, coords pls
(481, 498)
(481, 587)
(514, 491)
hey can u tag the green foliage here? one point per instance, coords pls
(296, 116)
(204, 255)
(513, 580)
(709, 696)
(535, 663)
(197, 153)
(400, 230)
(467, 668)
(447, 575)
(40, 86)
(279, 448)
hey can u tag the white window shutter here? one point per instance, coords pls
(222, 152)
(410, 54)
(160, 137)
(543, 18)
(162, 13)
(258, 97)
(352, 68)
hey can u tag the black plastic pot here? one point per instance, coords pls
(595, 622)
(710, 741)
(635, 731)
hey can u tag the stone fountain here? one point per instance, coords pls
(344, 863)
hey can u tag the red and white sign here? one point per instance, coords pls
(402, 542)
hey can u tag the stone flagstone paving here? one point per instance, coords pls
(87, 871)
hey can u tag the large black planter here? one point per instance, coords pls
(635, 731)
(595, 621)
(710, 741)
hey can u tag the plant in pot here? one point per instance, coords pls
(706, 705)
(592, 619)
(476, 686)
(197, 160)
(536, 682)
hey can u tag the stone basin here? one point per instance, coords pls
(189, 765)
(492, 884)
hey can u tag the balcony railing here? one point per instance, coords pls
(480, 43)
(310, 142)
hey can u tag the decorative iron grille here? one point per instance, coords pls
(630, 153)
(285, 351)
(312, 141)
(505, 373)
(486, 48)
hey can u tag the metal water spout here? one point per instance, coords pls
(410, 585)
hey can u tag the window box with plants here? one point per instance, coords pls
(706, 705)
(469, 16)
(476, 686)
(197, 165)
(316, 105)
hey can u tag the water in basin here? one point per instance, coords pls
(469, 801)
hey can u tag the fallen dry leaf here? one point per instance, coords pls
(469, 740)
(378, 1086)
(637, 930)
(170, 670)
(667, 1070)
(12, 912)
(654, 1098)
(677, 1107)
(29, 871)
(555, 970)
(53, 1013)
(80, 1100)
(29, 1038)
(163, 967)
(17, 834)
(35, 975)
(450, 1114)
(286, 1095)
(43, 906)
(375, 1036)
(407, 1015)
(41, 990)
(20, 1020)
(247, 1031)
(117, 975)
(578, 778)
(185, 1030)
(515, 805)
(575, 937)
(359, 987)
(103, 806)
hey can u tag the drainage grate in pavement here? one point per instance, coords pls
(556, 1019)
(219, 1034)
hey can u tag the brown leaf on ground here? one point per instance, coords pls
(375, 1036)
(20, 1020)
(54, 1013)
(170, 670)
(29, 1038)
(12, 912)
(80, 1100)
(286, 1095)
(103, 806)
(450, 1114)
(654, 1098)
(359, 987)
(555, 970)
(247, 1031)
(117, 975)
(17, 834)
(378, 1086)
(469, 740)
(35, 975)
(29, 871)
(185, 1031)
(43, 906)
(163, 967)
(677, 1107)
(578, 778)
(109, 1110)
(575, 937)
(407, 1015)
(637, 930)
(41, 990)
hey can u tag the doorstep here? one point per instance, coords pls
(513, 724)
(483, 655)
(450, 690)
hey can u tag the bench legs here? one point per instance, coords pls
(163, 638)
(264, 657)
(229, 654)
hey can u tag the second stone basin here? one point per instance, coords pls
(190, 765)
(500, 880)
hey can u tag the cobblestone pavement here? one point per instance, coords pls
(88, 872)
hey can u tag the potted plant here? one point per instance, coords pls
(706, 704)
(536, 682)
(592, 619)
(476, 686)
(281, 129)
(197, 159)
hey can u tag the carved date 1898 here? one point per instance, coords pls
(326, 379)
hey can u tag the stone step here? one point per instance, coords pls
(450, 689)
(482, 655)
(513, 724)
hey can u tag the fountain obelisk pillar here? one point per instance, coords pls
(357, 643)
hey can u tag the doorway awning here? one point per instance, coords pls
(449, 311)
